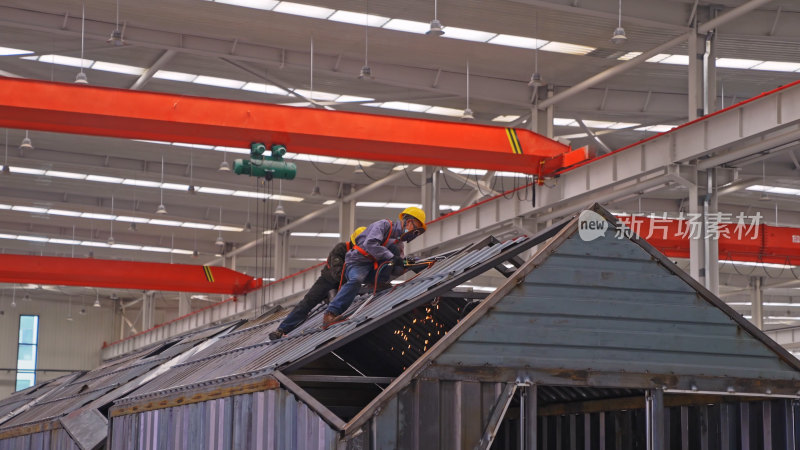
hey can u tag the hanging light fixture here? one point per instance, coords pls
(436, 26)
(619, 36)
(220, 242)
(132, 225)
(14, 296)
(536, 78)
(96, 303)
(161, 208)
(247, 227)
(116, 35)
(764, 196)
(6, 168)
(81, 77)
(279, 211)
(366, 71)
(26, 142)
(224, 166)
(191, 187)
(69, 311)
(467, 114)
(111, 224)
(316, 192)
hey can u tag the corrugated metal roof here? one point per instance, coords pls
(608, 305)
(249, 350)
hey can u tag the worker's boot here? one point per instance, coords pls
(277, 334)
(329, 319)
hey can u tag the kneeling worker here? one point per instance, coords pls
(380, 243)
(329, 280)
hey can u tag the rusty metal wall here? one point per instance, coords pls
(607, 305)
(271, 419)
(431, 414)
(57, 439)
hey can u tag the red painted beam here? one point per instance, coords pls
(124, 275)
(92, 110)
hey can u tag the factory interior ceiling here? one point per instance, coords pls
(56, 199)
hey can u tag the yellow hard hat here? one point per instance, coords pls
(416, 213)
(355, 234)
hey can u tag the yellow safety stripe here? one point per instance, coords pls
(513, 140)
(209, 275)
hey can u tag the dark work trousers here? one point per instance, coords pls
(316, 295)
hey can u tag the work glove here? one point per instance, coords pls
(397, 261)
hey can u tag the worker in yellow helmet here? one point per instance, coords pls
(381, 243)
(323, 289)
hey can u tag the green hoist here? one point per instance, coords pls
(269, 167)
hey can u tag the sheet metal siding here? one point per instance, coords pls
(607, 305)
(271, 420)
(250, 350)
(434, 414)
(57, 439)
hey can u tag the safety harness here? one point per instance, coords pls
(368, 255)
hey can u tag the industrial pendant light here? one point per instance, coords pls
(316, 192)
(764, 196)
(96, 303)
(366, 71)
(224, 166)
(279, 211)
(69, 311)
(220, 242)
(14, 296)
(536, 78)
(161, 208)
(26, 142)
(132, 225)
(111, 224)
(619, 36)
(191, 187)
(436, 26)
(116, 35)
(81, 77)
(6, 168)
(247, 227)
(467, 114)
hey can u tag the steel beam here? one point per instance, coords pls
(123, 274)
(69, 108)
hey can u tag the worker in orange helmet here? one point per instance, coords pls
(323, 289)
(380, 244)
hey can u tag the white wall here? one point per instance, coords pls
(62, 344)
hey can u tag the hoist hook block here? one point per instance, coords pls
(268, 167)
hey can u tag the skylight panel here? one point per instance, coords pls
(297, 105)
(316, 95)
(6, 51)
(175, 186)
(682, 60)
(404, 106)
(156, 249)
(658, 58)
(505, 118)
(736, 63)
(517, 41)
(621, 125)
(198, 146)
(66, 61)
(264, 88)
(141, 183)
(565, 122)
(30, 209)
(221, 148)
(266, 5)
(353, 98)
(250, 194)
(199, 226)
(778, 66)
(32, 238)
(299, 9)
(628, 56)
(408, 26)
(25, 170)
(358, 18)
(441, 111)
(328, 202)
(218, 191)
(166, 223)
(175, 76)
(104, 179)
(570, 49)
(7, 236)
(126, 247)
(63, 212)
(462, 171)
(131, 219)
(87, 215)
(60, 174)
(467, 34)
(287, 198)
(227, 228)
(64, 241)
(219, 82)
(117, 68)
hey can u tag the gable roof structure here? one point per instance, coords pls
(610, 312)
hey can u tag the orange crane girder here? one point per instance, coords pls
(53, 270)
(99, 111)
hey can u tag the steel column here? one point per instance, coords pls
(430, 192)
